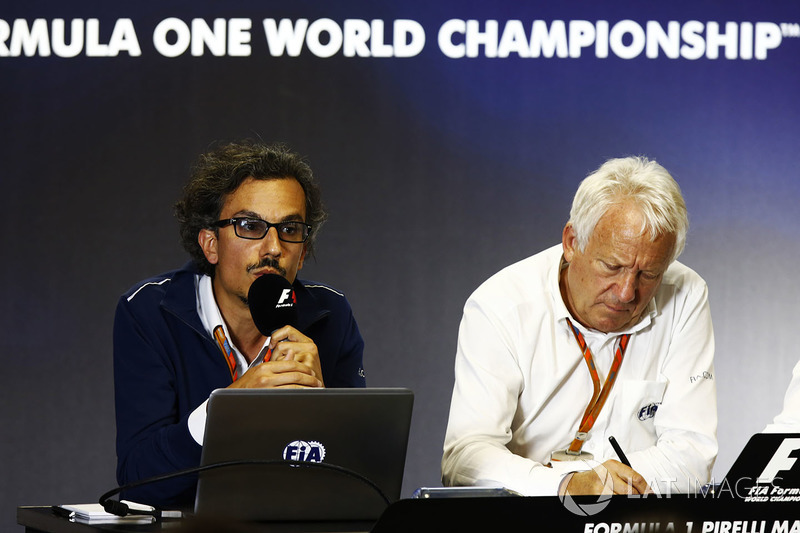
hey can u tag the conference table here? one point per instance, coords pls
(692, 513)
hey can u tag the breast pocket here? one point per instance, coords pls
(637, 404)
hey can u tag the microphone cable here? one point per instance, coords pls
(119, 508)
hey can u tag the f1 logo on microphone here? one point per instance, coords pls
(782, 460)
(285, 295)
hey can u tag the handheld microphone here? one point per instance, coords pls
(272, 303)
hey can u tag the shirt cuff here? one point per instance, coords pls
(560, 470)
(197, 423)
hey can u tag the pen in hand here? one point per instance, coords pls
(618, 449)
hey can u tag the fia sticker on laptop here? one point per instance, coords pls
(300, 450)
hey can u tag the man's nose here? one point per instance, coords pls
(271, 244)
(627, 288)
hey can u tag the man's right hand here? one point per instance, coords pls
(610, 477)
(275, 374)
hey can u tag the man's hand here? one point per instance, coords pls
(294, 363)
(621, 479)
(288, 344)
(273, 374)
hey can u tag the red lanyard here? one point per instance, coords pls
(227, 351)
(599, 396)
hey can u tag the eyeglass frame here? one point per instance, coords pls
(277, 225)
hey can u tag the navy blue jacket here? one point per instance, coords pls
(166, 365)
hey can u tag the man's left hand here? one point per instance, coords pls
(287, 343)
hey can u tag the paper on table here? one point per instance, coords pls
(93, 513)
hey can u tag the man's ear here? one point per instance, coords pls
(207, 240)
(569, 242)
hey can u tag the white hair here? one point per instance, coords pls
(641, 181)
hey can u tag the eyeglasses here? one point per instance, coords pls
(255, 228)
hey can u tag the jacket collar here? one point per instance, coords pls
(181, 300)
(309, 309)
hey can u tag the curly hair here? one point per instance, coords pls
(221, 171)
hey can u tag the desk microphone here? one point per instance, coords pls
(272, 303)
(122, 509)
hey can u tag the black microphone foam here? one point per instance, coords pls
(272, 303)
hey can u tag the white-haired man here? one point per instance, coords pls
(603, 335)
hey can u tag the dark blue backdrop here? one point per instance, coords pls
(437, 171)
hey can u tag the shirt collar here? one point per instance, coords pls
(211, 317)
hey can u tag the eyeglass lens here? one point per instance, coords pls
(248, 228)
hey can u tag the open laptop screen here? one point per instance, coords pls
(311, 454)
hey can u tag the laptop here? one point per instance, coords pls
(309, 454)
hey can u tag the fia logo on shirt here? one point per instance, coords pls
(648, 411)
(300, 450)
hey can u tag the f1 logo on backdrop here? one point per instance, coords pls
(783, 461)
(300, 450)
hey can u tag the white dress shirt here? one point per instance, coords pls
(788, 421)
(211, 318)
(522, 385)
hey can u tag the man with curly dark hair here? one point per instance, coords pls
(249, 209)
